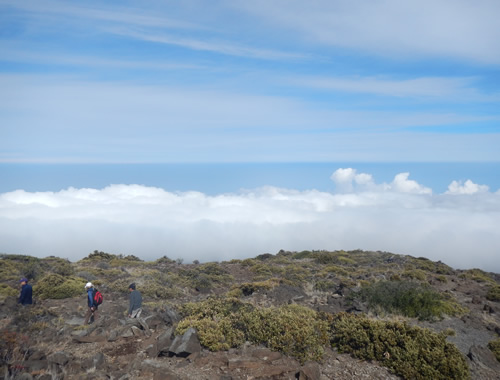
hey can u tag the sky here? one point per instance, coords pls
(164, 82)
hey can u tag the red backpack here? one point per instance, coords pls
(97, 297)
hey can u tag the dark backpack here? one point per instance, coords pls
(97, 297)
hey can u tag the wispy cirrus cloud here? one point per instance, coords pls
(400, 30)
(451, 89)
(210, 45)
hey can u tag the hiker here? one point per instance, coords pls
(92, 311)
(25, 297)
(135, 308)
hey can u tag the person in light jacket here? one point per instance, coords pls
(135, 308)
(91, 303)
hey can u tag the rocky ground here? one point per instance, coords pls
(116, 347)
(48, 340)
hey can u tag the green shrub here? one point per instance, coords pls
(205, 276)
(155, 290)
(295, 275)
(408, 298)
(428, 265)
(165, 260)
(218, 322)
(302, 255)
(415, 274)
(494, 346)
(9, 270)
(494, 293)
(248, 288)
(411, 352)
(7, 291)
(224, 323)
(479, 275)
(292, 329)
(55, 286)
(338, 270)
(98, 256)
(262, 271)
(325, 285)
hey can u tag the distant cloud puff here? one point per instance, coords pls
(468, 187)
(401, 217)
(348, 180)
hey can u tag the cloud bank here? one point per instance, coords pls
(459, 227)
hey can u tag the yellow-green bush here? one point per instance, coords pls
(156, 290)
(248, 288)
(410, 299)
(7, 291)
(205, 276)
(425, 264)
(479, 275)
(411, 352)
(9, 270)
(218, 322)
(494, 293)
(292, 329)
(494, 346)
(55, 286)
(415, 274)
(224, 323)
(335, 269)
(325, 285)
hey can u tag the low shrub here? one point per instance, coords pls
(55, 286)
(154, 289)
(494, 346)
(7, 291)
(479, 275)
(325, 286)
(338, 270)
(494, 293)
(408, 298)
(9, 270)
(425, 264)
(58, 265)
(205, 276)
(292, 329)
(248, 288)
(411, 352)
(225, 323)
(415, 274)
(219, 322)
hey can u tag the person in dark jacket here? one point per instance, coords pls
(26, 296)
(91, 303)
(135, 308)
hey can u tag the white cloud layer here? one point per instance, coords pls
(459, 227)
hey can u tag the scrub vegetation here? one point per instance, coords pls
(372, 305)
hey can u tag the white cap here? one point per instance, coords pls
(89, 285)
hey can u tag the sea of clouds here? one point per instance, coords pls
(459, 227)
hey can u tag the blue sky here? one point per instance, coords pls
(239, 81)
(379, 86)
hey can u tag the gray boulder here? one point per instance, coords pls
(60, 358)
(164, 341)
(186, 344)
